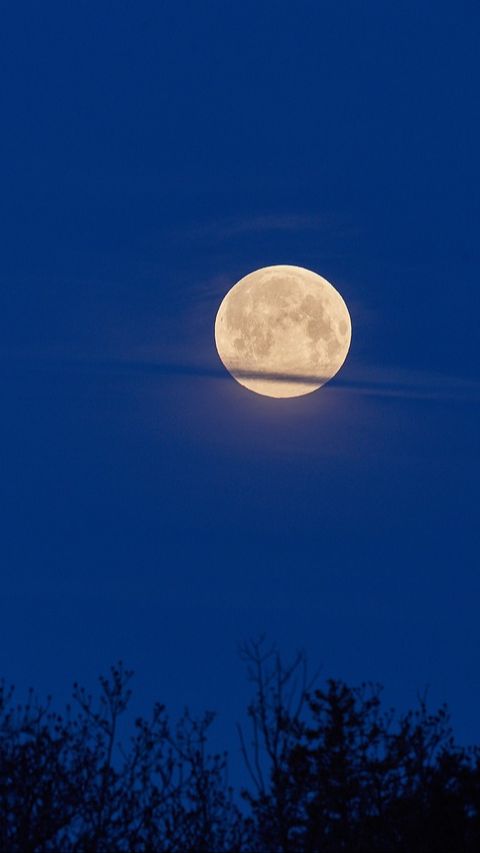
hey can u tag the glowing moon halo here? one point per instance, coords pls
(283, 331)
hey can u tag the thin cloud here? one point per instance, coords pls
(268, 222)
(230, 227)
(365, 380)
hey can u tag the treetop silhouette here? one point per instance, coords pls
(330, 769)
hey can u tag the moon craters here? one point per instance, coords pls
(282, 331)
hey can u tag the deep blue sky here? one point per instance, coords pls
(151, 155)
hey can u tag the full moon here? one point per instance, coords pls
(283, 331)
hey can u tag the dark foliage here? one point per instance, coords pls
(330, 770)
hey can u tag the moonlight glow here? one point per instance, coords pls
(283, 331)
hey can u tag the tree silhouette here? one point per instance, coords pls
(330, 770)
(65, 783)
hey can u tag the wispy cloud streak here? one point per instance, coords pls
(366, 380)
(264, 223)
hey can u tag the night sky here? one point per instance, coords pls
(152, 154)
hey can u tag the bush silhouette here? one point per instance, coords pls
(330, 770)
